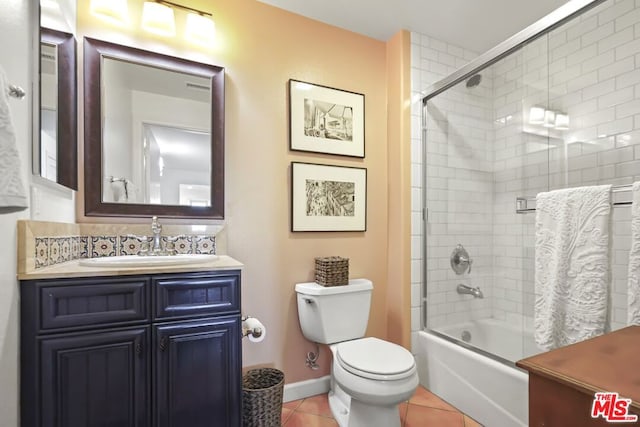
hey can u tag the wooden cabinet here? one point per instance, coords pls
(132, 351)
(563, 382)
(190, 357)
(95, 379)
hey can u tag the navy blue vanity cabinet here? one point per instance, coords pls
(197, 384)
(197, 365)
(132, 351)
(95, 379)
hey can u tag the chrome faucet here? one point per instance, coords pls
(156, 240)
(469, 290)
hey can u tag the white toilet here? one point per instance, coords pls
(369, 376)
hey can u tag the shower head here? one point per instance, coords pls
(474, 80)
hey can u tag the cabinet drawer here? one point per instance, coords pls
(179, 296)
(92, 302)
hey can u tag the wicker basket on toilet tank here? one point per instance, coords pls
(332, 271)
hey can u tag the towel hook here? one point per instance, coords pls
(16, 92)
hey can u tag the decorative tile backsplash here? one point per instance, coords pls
(181, 244)
(42, 252)
(55, 250)
(103, 246)
(205, 245)
(42, 244)
(132, 245)
(83, 247)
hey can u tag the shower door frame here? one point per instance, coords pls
(558, 17)
(563, 14)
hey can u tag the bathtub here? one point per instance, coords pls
(495, 393)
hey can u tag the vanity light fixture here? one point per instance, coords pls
(549, 119)
(115, 11)
(536, 115)
(49, 4)
(562, 121)
(200, 28)
(158, 18)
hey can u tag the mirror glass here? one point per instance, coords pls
(156, 141)
(154, 134)
(177, 170)
(48, 111)
(57, 159)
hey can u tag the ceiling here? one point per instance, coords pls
(476, 25)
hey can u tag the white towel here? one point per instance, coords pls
(571, 265)
(12, 191)
(633, 295)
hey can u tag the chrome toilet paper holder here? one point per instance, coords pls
(254, 332)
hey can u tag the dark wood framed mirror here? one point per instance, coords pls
(154, 134)
(58, 143)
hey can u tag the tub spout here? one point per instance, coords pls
(469, 290)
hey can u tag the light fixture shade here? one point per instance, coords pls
(158, 19)
(51, 4)
(536, 115)
(115, 11)
(549, 119)
(200, 29)
(562, 121)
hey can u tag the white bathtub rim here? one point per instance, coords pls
(435, 369)
(453, 342)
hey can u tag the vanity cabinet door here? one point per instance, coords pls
(96, 379)
(197, 371)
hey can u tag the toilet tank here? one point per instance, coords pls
(334, 313)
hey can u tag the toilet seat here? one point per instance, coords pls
(375, 359)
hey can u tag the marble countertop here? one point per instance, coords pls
(74, 269)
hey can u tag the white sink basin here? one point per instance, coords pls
(146, 260)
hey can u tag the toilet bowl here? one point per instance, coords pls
(370, 377)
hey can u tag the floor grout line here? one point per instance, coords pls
(408, 403)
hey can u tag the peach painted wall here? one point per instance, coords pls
(261, 48)
(399, 205)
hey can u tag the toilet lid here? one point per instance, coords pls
(374, 357)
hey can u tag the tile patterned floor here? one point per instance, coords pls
(423, 409)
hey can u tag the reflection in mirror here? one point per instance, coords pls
(154, 134)
(58, 136)
(176, 166)
(48, 112)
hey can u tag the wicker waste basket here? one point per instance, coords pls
(262, 397)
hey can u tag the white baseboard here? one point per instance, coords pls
(307, 388)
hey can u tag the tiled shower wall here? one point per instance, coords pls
(593, 75)
(459, 179)
(589, 69)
